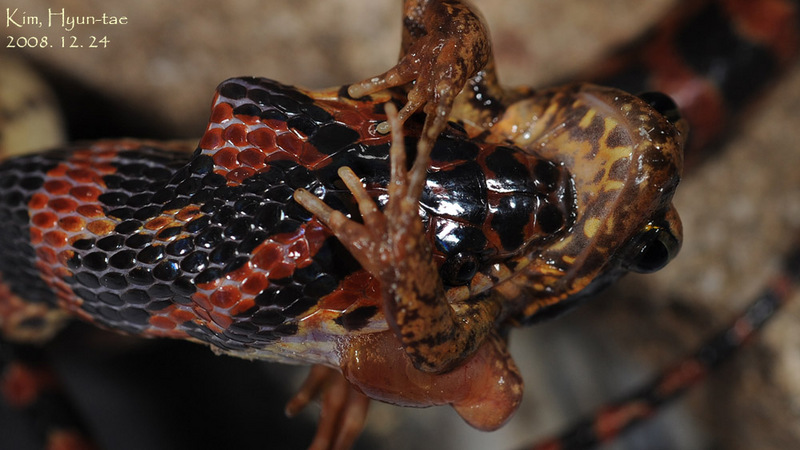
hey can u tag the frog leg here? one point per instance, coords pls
(485, 390)
(344, 409)
(392, 246)
(445, 47)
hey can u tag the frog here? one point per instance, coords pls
(390, 232)
(624, 154)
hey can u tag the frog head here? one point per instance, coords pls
(625, 154)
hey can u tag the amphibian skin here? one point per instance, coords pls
(392, 250)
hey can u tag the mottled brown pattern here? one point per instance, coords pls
(616, 213)
(501, 111)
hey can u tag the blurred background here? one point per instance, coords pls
(155, 78)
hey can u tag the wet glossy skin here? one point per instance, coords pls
(626, 161)
(579, 178)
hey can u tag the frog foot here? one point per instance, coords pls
(392, 246)
(386, 239)
(445, 44)
(344, 409)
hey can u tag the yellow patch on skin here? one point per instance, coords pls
(618, 153)
(590, 227)
(613, 185)
(456, 294)
(523, 263)
(562, 243)
(609, 123)
(481, 282)
(501, 271)
(586, 120)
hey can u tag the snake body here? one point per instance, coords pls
(211, 246)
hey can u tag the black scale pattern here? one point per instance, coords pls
(455, 201)
(455, 197)
(18, 179)
(118, 276)
(125, 277)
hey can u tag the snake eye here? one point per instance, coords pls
(662, 103)
(459, 269)
(657, 246)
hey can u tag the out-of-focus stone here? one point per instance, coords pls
(30, 118)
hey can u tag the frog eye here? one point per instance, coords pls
(662, 103)
(656, 247)
(459, 269)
